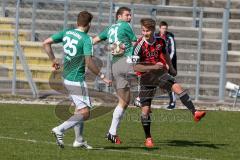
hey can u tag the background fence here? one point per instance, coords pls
(206, 58)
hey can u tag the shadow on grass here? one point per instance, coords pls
(184, 143)
(130, 147)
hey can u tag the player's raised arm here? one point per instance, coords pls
(147, 68)
(169, 63)
(47, 45)
(96, 39)
(91, 65)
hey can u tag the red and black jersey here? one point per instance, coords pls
(150, 53)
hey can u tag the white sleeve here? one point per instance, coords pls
(172, 44)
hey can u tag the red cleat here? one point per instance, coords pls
(113, 138)
(118, 141)
(149, 143)
(198, 115)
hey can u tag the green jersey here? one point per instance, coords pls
(76, 45)
(122, 32)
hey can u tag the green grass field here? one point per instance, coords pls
(25, 135)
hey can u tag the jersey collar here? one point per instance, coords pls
(148, 42)
(78, 29)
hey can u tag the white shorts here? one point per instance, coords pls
(79, 93)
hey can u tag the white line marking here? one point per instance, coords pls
(111, 150)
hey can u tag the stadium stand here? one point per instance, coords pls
(49, 19)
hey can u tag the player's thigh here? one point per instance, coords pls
(84, 111)
(79, 93)
(121, 70)
(123, 95)
(166, 81)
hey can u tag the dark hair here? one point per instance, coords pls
(163, 23)
(121, 10)
(148, 23)
(84, 18)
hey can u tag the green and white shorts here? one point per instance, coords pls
(78, 91)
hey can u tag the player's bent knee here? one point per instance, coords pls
(84, 112)
(168, 82)
(145, 110)
(145, 119)
(177, 88)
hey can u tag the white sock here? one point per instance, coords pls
(71, 122)
(78, 129)
(117, 116)
(174, 97)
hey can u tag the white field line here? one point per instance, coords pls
(103, 149)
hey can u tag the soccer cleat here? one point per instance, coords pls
(113, 138)
(171, 106)
(59, 137)
(137, 102)
(198, 115)
(82, 144)
(149, 143)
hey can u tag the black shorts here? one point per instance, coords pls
(149, 83)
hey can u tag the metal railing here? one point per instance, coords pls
(34, 10)
(18, 52)
(224, 50)
(3, 13)
(197, 22)
(199, 47)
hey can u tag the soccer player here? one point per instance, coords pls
(78, 52)
(171, 49)
(153, 64)
(120, 37)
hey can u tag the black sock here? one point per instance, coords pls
(146, 123)
(186, 100)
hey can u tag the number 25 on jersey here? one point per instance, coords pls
(70, 46)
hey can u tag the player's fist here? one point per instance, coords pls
(56, 64)
(158, 65)
(107, 81)
(117, 48)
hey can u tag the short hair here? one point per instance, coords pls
(163, 23)
(84, 18)
(148, 23)
(121, 10)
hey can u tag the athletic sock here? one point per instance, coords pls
(186, 100)
(146, 123)
(117, 116)
(71, 122)
(78, 129)
(172, 97)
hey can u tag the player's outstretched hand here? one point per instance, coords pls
(56, 64)
(107, 81)
(158, 65)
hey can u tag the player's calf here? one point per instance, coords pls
(186, 100)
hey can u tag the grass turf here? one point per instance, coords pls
(25, 135)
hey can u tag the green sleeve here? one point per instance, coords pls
(88, 47)
(57, 38)
(129, 32)
(103, 35)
